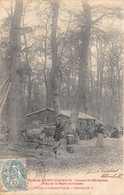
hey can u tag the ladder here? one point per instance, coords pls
(4, 90)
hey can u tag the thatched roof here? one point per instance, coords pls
(80, 116)
(63, 112)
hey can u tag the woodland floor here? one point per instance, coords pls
(86, 156)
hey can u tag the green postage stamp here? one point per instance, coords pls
(13, 175)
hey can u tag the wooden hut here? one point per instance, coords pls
(47, 117)
(41, 117)
(85, 124)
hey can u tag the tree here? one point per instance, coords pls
(80, 94)
(82, 90)
(55, 66)
(27, 68)
(15, 74)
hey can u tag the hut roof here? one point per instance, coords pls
(80, 116)
(63, 112)
(36, 112)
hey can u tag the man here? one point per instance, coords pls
(100, 131)
(59, 130)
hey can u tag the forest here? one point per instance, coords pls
(61, 96)
(61, 55)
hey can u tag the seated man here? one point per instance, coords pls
(115, 133)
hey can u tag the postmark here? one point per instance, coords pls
(13, 175)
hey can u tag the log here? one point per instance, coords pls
(34, 134)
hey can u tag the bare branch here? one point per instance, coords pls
(65, 36)
(106, 7)
(9, 14)
(98, 29)
(98, 19)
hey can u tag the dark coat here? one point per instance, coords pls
(58, 132)
(100, 129)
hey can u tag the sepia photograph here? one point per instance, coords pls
(61, 97)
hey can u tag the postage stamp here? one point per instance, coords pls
(13, 174)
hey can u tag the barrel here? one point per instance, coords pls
(70, 139)
(70, 149)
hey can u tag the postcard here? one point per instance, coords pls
(61, 97)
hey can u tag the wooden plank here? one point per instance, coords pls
(4, 100)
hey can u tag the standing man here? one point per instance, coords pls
(59, 129)
(100, 131)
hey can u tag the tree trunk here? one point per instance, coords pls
(55, 66)
(16, 72)
(46, 81)
(28, 69)
(100, 68)
(86, 30)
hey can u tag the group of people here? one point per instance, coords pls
(59, 132)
